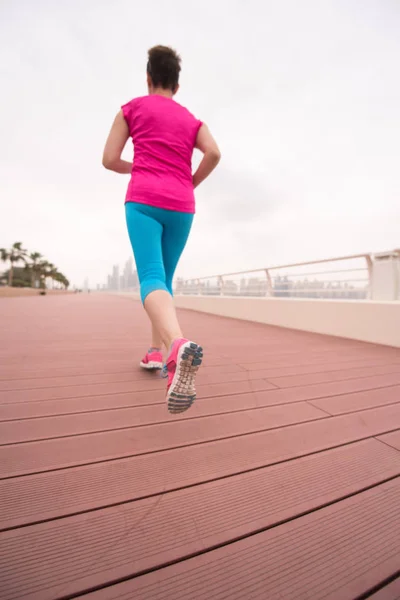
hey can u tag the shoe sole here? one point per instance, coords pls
(151, 366)
(182, 392)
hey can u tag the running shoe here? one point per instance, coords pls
(153, 360)
(182, 364)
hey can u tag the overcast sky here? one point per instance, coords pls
(302, 97)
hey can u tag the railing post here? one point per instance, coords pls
(397, 274)
(270, 288)
(221, 285)
(199, 287)
(370, 274)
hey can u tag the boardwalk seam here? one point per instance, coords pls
(379, 586)
(387, 443)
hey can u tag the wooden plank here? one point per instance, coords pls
(360, 401)
(150, 533)
(209, 374)
(51, 367)
(64, 492)
(340, 375)
(331, 364)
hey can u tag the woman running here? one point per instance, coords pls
(159, 208)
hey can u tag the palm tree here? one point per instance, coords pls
(48, 270)
(34, 268)
(5, 255)
(43, 271)
(52, 273)
(38, 268)
(14, 255)
(60, 278)
(64, 281)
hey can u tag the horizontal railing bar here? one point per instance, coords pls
(321, 272)
(364, 269)
(294, 290)
(301, 264)
(262, 282)
(351, 294)
(320, 291)
(302, 282)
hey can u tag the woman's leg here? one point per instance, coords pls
(175, 235)
(145, 228)
(156, 341)
(145, 233)
(184, 356)
(160, 306)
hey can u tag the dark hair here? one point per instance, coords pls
(164, 66)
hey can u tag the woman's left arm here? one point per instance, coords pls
(115, 144)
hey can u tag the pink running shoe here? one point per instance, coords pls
(153, 360)
(183, 363)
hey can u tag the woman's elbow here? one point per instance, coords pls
(215, 155)
(108, 162)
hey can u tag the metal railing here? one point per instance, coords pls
(354, 277)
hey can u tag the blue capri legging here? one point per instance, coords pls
(158, 237)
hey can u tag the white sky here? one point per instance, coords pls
(303, 98)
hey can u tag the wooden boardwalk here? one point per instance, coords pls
(282, 481)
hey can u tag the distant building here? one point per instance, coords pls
(115, 281)
(127, 281)
(128, 272)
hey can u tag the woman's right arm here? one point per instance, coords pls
(206, 144)
(115, 144)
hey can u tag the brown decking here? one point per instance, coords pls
(281, 482)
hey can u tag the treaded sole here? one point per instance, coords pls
(182, 392)
(151, 366)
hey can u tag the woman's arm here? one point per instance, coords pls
(115, 144)
(206, 144)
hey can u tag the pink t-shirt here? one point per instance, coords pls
(164, 135)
